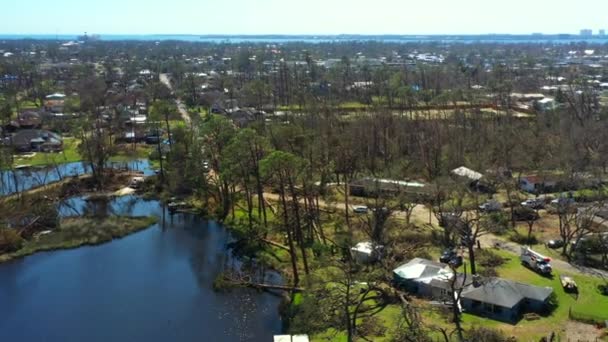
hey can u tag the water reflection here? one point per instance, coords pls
(155, 285)
(25, 179)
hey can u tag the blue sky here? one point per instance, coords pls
(301, 17)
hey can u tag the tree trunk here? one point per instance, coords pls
(346, 202)
(472, 257)
(298, 226)
(292, 251)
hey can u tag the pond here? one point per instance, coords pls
(155, 285)
(26, 179)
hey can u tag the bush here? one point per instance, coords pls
(10, 241)
(552, 304)
(496, 223)
(488, 272)
(488, 259)
(371, 326)
(482, 334)
(525, 214)
(523, 239)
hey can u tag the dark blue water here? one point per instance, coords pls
(280, 39)
(35, 177)
(155, 285)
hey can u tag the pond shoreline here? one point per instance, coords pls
(90, 236)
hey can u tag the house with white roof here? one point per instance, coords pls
(495, 298)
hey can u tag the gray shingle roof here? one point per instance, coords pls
(505, 293)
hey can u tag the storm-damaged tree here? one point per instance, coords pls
(96, 148)
(283, 170)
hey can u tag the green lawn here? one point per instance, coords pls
(589, 301)
(129, 152)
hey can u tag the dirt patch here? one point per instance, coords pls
(575, 332)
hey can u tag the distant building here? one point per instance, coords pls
(368, 187)
(602, 32)
(31, 140)
(586, 32)
(546, 105)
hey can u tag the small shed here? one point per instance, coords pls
(366, 252)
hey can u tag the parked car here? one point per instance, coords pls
(490, 206)
(533, 203)
(360, 209)
(449, 256)
(555, 243)
(563, 201)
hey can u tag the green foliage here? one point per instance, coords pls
(523, 239)
(496, 222)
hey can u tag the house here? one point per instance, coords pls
(494, 298)
(368, 186)
(54, 103)
(538, 184)
(29, 140)
(242, 117)
(503, 299)
(29, 119)
(420, 276)
(473, 179)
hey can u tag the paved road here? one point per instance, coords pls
(164, 78)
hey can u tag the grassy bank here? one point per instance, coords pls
(82, 231)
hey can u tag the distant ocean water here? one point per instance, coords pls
(278, 39)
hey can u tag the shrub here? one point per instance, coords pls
(488, 272)
(482, 334)
(496, 223)
(371, 326)
(10, 241)
(523, 239)
(487, 258)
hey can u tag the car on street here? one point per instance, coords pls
(360, 209)
(490, 206)
(555, 243)
(533, 203)
(449, 256)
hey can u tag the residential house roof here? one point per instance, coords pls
(505, 293)
(26, 136)
(423, 270)
(467, 173)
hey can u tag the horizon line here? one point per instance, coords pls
(297, 34)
